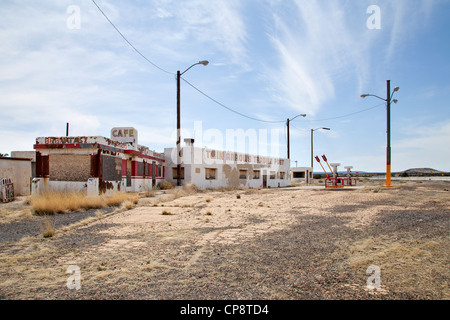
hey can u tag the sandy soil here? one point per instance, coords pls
(291, 243)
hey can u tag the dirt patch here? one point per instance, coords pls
(265, 244)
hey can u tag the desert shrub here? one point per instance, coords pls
(48, 227)
(166, 185)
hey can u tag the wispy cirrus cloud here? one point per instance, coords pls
(321, 44)
(314, 47)
(196, 28)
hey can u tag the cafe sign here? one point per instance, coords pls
(124, 134)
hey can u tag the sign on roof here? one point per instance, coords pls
(124, 134)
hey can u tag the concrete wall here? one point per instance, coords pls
(231, 169)
(27, 154)
(19, 171)
(301, 174)
(69, 167)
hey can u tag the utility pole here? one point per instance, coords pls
(388, 125)
(388, 148)
(178, 131)
(288, 152)
(287, 124)
(179, 74)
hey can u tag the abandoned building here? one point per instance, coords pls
(208, 168)
(97, 164)
(17, 171)
(301, 174)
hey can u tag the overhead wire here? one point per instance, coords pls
(347, 115)
(135, 49)
(209, 97)
(228, 108)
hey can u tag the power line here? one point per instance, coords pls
(135, 49)
(349, 114)
(155, 65)
(228, 108)
(209, 97)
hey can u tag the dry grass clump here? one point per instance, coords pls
(186, 190)
(9, 215)
(52, 202)
(166, 185)
(406, 265)
(48, 227)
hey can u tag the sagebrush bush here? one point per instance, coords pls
(166, 185)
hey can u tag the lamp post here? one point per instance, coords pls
(312, 130)
(287, 124)
(388, 148)
(179, 74)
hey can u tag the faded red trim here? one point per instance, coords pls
(92, 145)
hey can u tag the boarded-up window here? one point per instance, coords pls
(145, 169)
(175, 173)
(256, 174)
(111, 168)
(242, 174)
(140, 168)
(282, 175)
(160, 171)
(272, 174)
(210, 173)
(299, 174)
(69, 167)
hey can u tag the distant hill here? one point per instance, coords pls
(423, 170)
(406, 173)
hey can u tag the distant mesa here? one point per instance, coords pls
(423, 172)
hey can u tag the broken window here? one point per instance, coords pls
(299, 174)
(160, 171)
(210, 173)
(256, 174)
(175, 173)
(242, 174)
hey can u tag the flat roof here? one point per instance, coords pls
(15, 159)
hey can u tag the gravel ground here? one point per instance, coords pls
(275, 244)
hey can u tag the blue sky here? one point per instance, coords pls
(62, 61)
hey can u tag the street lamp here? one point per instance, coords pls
(287, 123)
(388, 148)
(312, 130)
(179, 74)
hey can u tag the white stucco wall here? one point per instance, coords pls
(19, 171)
(196, 161)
